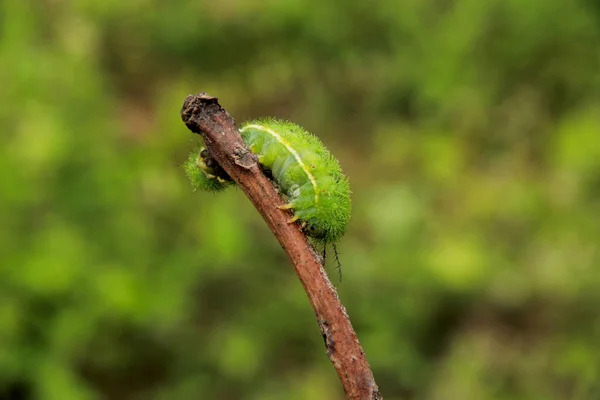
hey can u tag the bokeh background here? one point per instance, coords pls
(470, 131)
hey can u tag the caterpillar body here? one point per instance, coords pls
(307, 175)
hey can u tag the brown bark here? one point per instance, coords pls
(202, 114)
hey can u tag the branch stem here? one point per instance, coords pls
(202, 114)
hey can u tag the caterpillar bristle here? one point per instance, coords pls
(337, 260)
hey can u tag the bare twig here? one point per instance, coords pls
(202, 114)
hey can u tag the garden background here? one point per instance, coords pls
(469, 129)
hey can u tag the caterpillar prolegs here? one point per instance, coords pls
(307, 175)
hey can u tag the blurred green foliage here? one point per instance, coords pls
(470, 131)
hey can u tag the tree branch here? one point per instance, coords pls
(202, 114)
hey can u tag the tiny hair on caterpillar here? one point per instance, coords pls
(307, 175)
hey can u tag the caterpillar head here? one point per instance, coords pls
(205, 173)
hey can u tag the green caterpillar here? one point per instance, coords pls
(305, 172)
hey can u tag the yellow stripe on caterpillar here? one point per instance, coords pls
(293, 152)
